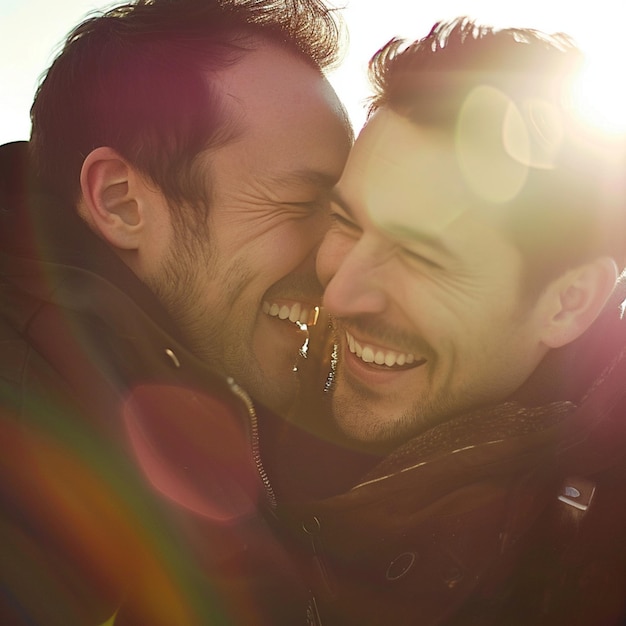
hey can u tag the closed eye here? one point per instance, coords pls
(313, 203)
(418, 247)
(422, 260)
(307, 207)
(343, 222)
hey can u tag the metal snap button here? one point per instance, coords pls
(400, 566)
(172, 357)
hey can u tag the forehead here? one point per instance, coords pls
(287, 109)
(406, 181)
(405, 175)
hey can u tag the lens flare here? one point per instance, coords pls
(599, 92)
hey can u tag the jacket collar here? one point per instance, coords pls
(567, 406)
(568, 373)
(43, 238)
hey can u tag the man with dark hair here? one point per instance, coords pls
(479, 349)
(156, 267)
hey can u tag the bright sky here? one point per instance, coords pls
(31, 30)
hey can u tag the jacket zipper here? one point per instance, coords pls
(254, 440)
(313, 615)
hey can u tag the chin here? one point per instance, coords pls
(358, 432)
(371, 432)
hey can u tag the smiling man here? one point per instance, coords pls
(238, 285)
(429, 297)
(157, 249)
(471, 276)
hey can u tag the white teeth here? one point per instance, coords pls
(368, 355)
(380, 357)
(295, 313)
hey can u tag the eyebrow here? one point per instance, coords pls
(304, 177)
(400, 231)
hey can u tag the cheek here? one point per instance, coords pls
(283, 248)
(449, 325)
(333, 249)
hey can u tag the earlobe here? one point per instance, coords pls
(111, 203)
(577, 298)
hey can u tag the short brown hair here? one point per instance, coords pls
(135, 79)
(565, 214)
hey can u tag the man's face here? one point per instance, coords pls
(424, 287)
(238, 296)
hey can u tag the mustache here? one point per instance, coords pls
(379, 331)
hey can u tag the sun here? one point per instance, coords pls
(599, 91)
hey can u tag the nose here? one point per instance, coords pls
(356, 284)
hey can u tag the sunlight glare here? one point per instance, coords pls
(599, 93)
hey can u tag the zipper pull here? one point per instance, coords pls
(313, 528)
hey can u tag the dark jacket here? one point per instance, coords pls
(514, 515)
(130, 480)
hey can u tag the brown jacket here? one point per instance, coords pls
(129, 482)
(510, 515)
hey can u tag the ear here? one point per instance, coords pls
(112, 198)
(575, 300)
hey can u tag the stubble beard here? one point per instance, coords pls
(178, 287)
(359, 412)
(176, 284)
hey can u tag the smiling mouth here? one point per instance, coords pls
(298, 313)
(385, 358)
